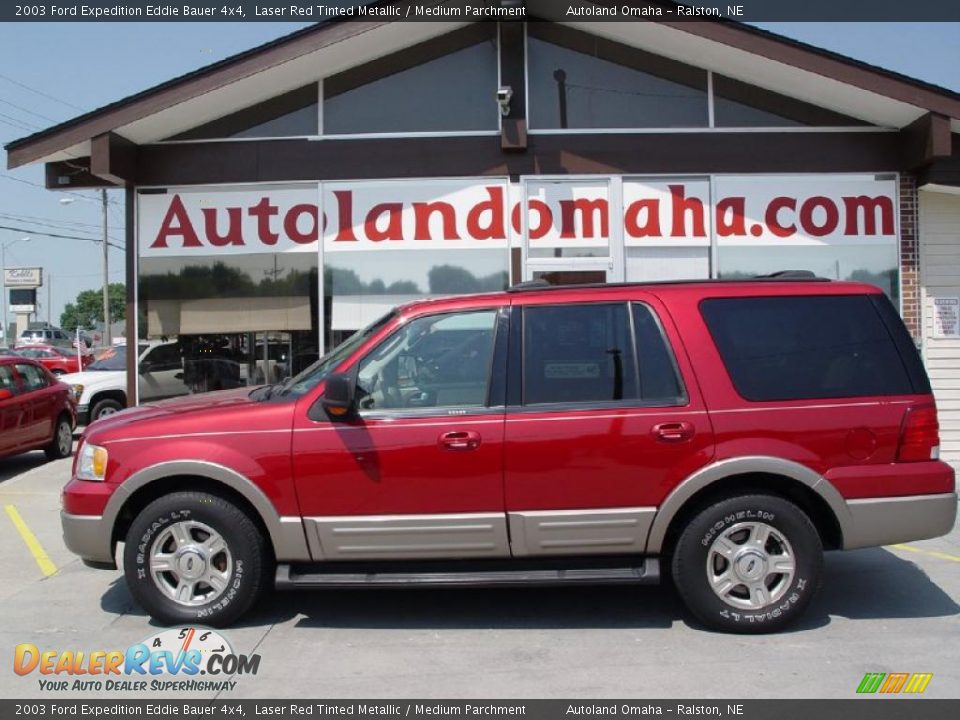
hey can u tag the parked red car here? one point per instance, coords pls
(36, 411)
(57, 360)
(730, 431)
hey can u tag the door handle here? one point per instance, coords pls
(459, 440)
(673, 432)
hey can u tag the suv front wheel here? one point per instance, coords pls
(749, 564)
(195, 557)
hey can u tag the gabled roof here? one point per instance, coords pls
(828, 79)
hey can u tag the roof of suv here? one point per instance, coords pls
(760, 286)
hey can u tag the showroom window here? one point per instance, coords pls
(738, 104)
(292, 114)
(221, 322)
(443, 85)
(580, 81)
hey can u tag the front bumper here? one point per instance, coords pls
(83, 414)
(90, 537)
(891, 520)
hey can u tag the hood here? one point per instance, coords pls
(96, 377)
(175, 410)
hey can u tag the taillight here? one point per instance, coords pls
(919, 435)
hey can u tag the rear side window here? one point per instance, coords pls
(799, 348)
(577, 353)
(33, 377)
(659, 382)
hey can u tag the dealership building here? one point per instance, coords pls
(280, 199)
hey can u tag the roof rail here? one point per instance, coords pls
(790, 275)
(529, 285)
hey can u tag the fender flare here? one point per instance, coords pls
(286, 533)
(706, 476)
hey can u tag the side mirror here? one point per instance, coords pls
(338, 395)
(5, 394)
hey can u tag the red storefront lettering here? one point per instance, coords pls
(263, 211)
(734, 225)
(869, 206)
(394, 228)
(587, 209)
(682, 204)
(651, 224)
(775, 206)
(422, 211)
(292, 229)
(806, 216)
(234, 235)
(494, 229)
(184, 228)
(345, 216)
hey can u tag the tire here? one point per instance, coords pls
(240, 563)
(61, 446)
(104, 408)
(721, 547)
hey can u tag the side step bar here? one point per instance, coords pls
(313, 577)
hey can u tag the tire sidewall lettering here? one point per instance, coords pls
(145, 542)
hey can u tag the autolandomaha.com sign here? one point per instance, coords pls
(489, 213)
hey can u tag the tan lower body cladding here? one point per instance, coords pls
(480, 535)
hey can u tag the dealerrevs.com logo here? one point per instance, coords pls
(176, 660)
(894, 683)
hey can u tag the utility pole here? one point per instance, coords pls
(108, 340)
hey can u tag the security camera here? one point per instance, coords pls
(504, 95)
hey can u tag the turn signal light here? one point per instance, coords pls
(919, 435)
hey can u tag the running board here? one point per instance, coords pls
(312, 577)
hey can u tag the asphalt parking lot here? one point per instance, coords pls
(889, 609)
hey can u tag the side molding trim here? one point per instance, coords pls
(742, 466)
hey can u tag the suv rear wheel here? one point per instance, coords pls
(749, 564)
(195, 557)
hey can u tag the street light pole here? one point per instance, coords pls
(106, 275)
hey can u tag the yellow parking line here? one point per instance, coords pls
(931, 553)
(30, 540)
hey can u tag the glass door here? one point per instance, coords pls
(568, 231)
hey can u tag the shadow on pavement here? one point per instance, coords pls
(859, 585)
(10, 467)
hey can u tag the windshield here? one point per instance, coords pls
(113, 358)
(311, 377)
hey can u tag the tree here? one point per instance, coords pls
(87, 310)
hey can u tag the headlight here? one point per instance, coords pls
(77, 392)
(92, 463)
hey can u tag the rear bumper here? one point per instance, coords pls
(889, 520)
(89, 537)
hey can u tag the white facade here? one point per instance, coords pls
(940, 281)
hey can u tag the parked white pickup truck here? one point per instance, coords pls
(101, 389)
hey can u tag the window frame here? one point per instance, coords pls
(493, 403)
(516, 401)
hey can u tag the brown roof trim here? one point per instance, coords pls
(753, 40)
(826, 63)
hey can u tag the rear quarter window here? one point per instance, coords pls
(801, 348)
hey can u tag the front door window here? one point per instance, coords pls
(439, 361)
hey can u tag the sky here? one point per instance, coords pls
(51, 72)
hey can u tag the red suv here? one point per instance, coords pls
(726, 431)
